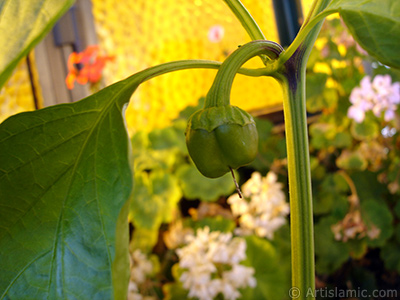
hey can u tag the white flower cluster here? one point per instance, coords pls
(176, 234)
(141, 268)
(379, 96)
(211, 265)
(266, 210)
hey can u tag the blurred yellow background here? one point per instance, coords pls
(142, 33)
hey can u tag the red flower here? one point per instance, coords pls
(86, 66)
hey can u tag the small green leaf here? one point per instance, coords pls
(390, 254)
(22, 25)
(331, 195)
(375, 25)
(195, 186)
(343, 140)
(175, 291)
(148, 160)
(368, 185)
(190, 110)
(358, 248)
(167, 138)
(144, 239)
(397, 233)
(366, 130)
(351, 161)
(330, 254)
(218, 223)
(154, 199)
(273, 280)
(377, 214)
(322, 135)
(397, 209)
(321, 97)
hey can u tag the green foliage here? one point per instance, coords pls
(271, 146)
(330, 196)
(175, 291)
(16, 37)
(330, 254)
(218, 223)
(351, 160)
(66, 173)
(376, 213)
(196, 186)
(164, 175)
(271, 270)
(353, 164)
(64, 178)
(361, 18)
(154, 199)
(367, 130)
(391, 256)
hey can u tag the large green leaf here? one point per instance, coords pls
(64, 177)
(22, 25)
(375, 25)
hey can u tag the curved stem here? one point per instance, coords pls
(158, 70)
(245, 19)
(317, 14)
(219, 93)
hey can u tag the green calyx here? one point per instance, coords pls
(220, 139)
(212, 117)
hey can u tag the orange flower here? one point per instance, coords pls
(86, 66)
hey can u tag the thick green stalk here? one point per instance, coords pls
(293, 79)
(301, 212)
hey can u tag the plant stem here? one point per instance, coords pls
(158, 70)
(301, 212)
(292, 76)
(317, 14)
(219, 93)
(245, 19)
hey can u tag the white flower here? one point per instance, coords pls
(379, 96)
(141, 268)
(210, 261)
(176, 235)
(266, 209)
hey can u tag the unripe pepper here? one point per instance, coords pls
(221, 138)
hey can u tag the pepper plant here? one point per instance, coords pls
(65, 176)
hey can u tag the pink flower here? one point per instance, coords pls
(379, 96)
(356, 114)
(216, 33)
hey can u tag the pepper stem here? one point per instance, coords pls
(219, 93)
(236, 184)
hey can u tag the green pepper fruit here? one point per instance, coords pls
(221, 138)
